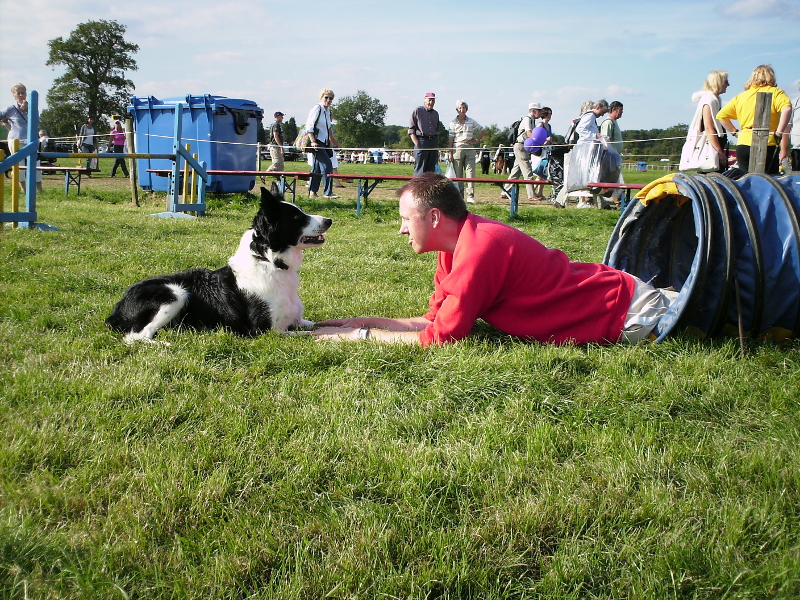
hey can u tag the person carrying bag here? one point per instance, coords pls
(705, 149)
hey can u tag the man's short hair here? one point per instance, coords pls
(433, 190)
(18, 86)
(601, 104)
(615, 105)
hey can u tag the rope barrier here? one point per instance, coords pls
(442, 149)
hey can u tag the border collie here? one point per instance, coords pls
(256, 292)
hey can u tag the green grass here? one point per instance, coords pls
(280, 467)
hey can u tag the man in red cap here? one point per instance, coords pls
(424, 132)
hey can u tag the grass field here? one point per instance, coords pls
(281, 467)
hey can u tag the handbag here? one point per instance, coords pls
(699, 154)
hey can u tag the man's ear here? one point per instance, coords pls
(435, 216)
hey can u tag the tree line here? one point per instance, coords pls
(97, 56)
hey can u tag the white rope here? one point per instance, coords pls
(395, 150)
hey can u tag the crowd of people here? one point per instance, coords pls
(519, 161)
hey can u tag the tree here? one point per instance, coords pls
(359, 120)
(495, 136)
(96, 56)
(289, 130)
(391, 135)
(671, 146)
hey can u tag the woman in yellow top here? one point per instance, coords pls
(743, 108)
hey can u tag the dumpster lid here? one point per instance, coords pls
(205, 99)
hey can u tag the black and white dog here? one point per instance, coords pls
(256, 292)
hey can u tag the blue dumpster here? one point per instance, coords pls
(222, 131)
(641, 166)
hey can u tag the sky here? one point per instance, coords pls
(498, 57)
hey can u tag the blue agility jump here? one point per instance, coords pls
(29, 155)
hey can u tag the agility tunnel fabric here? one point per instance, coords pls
(730, 248)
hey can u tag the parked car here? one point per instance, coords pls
(289, 153)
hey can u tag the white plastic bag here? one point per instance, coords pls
(593, 162)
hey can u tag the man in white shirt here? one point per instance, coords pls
(522, 160)
(610, 129)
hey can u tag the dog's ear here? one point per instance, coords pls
(269, 203)
(275, 189)
(263, 223)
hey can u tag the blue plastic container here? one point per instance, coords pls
(222, 131)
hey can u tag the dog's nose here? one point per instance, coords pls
(327, 222)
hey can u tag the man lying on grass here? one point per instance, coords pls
(492, 271)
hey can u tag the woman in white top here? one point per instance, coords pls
(320, 132)
(708, 104)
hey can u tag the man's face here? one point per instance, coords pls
(415, 223)
(429, 102)
(616, 113)
(279, 119)
(535, 113)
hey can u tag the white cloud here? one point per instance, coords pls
(224, 57)
(618, 91)
(762, 9)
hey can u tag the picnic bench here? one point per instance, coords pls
(71, 175)
(365, 187)
(288, 182)
(288, 179)
(596, 189)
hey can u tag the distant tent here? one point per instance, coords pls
(721, 243)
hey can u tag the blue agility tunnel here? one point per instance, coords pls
(730, 248)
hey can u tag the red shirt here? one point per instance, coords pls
(513, 282)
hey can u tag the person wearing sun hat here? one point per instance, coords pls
(424, 132)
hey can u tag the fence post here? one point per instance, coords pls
(758, 146)
(176, 165)
(132, 162)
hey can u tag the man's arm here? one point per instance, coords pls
(413, 126)
(380, 328)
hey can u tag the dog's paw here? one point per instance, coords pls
(307, 325)
(132, 338)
